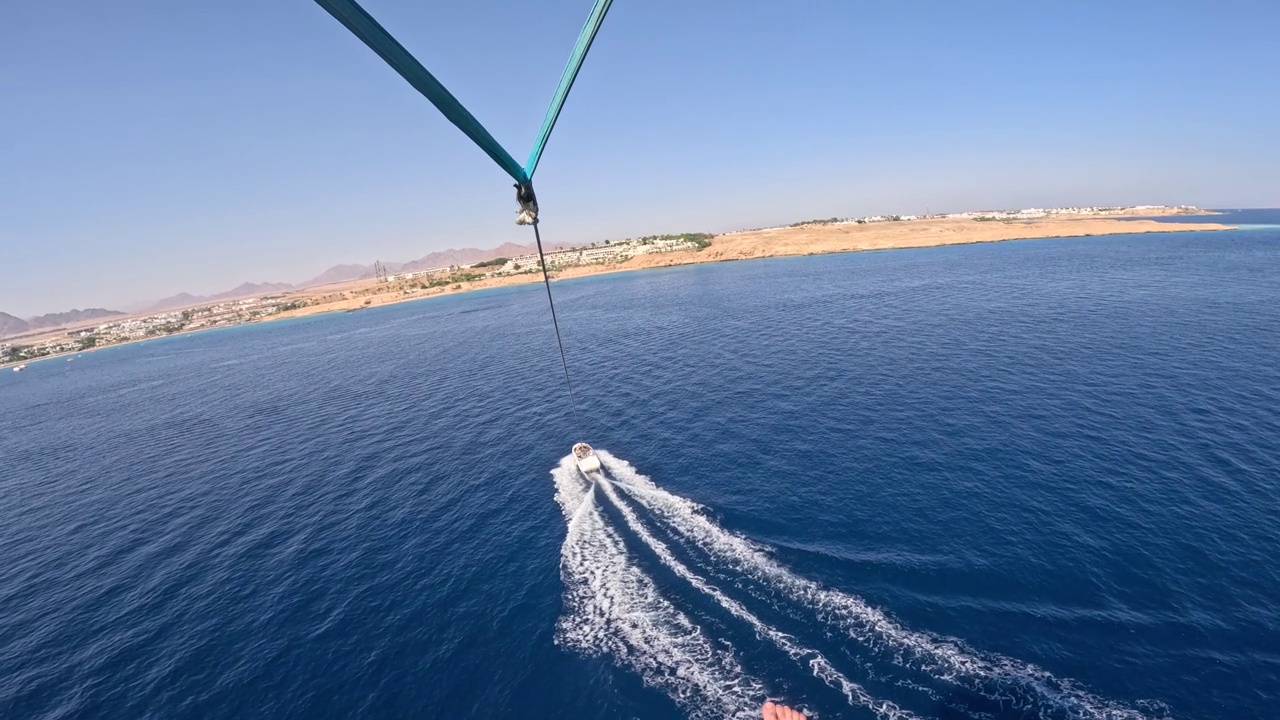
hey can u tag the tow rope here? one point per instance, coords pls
(546, 280)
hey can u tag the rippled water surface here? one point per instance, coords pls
(1036, 479)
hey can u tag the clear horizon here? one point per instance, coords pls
(143, 305)
(166, 149)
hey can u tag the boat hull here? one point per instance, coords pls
(589, 464)
(586, 458)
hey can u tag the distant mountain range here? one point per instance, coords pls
(442, 258)
(10, 325)
(465, 256)
(346, 273)
(182, 300)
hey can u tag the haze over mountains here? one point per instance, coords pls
(343, 273)
(183, 299)
(11, 325)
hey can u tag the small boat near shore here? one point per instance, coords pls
(23, 366)
(586, 458)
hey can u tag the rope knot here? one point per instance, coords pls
(528, 212)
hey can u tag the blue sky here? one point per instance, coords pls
(149, 147)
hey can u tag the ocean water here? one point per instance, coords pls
(1240, 217)
(1035, 479)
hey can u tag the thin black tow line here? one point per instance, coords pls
(546, 280)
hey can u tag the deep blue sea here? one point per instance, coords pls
(1240, 217)
(1034, 479)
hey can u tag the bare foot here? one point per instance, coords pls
(774, 711)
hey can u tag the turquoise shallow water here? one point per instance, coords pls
(1030, 479)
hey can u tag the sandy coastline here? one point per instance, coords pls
(771, 242)
(747, 245)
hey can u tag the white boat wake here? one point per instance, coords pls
(615, 607)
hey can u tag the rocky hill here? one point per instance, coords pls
(10, 325)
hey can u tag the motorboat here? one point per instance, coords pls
(588, 461)
(23, 366)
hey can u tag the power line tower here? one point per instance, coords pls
(379, 271)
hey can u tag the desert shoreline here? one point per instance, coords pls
(767, 243)
(792, 241)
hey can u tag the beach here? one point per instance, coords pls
(815, 239)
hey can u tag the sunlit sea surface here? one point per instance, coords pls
(1034, 479)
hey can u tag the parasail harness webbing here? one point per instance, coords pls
(363, 26)
(580, 48)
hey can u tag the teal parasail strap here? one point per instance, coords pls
(363, 26)
(580, 49)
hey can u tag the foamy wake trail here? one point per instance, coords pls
(1015, 685)
(821, 667)
(613, 608)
